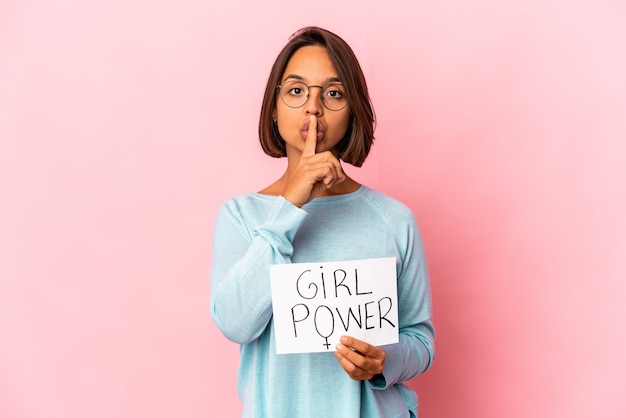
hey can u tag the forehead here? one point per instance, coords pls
(311, 63)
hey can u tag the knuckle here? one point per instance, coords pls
(361, 362)
(365, 349)
(350, 368)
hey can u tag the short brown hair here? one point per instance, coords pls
(355, 145)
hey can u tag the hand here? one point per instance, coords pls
(314, 173)
(359, 359)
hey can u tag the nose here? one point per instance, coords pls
(314, 104)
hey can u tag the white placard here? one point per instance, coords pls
(314, 304)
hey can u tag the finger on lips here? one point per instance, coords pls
(311, 139)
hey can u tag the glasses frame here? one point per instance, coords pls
(308, 96)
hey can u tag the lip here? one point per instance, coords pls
(304, 129)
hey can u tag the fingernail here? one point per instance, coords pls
(344, 339)
(339, 347)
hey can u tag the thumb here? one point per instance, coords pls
(311, 138)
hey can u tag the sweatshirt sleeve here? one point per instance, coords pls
(241, 302)
(415, 351)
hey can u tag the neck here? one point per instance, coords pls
(349, 185)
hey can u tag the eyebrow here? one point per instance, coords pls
(300, 78)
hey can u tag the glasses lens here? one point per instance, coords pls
(333, 97)
(294, 93)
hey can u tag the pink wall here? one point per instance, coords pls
(124, 124)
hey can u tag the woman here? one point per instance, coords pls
(317, 113)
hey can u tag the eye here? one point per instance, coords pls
(335, 94)
(295, 89)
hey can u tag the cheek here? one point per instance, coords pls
(287, 124)
(283, 115)
(342, 126)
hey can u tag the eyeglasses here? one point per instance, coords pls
(295, 94)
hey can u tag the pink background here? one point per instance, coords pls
(125, 123)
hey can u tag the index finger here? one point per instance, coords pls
(358, 345)
(311, 138)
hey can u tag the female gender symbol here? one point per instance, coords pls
(332, 325)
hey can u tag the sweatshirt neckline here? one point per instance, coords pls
(322, 200)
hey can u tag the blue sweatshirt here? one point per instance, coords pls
(254, 231)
